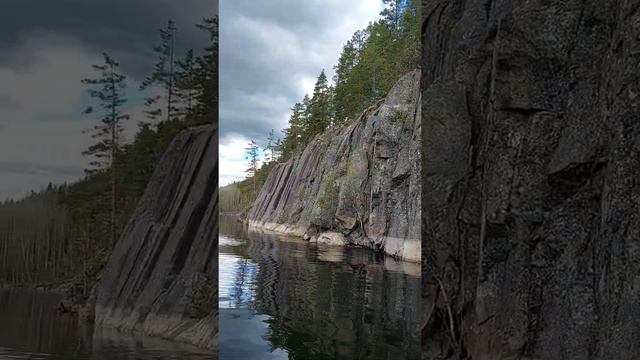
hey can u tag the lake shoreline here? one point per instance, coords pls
(404, 250)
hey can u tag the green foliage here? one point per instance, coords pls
(33, 248)
(190, 84)
(293, 135)
(206, 108)
(164, 76)
(110, 95)
(251, 155)
(274, 147)
(318, 110)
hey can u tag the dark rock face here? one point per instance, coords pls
(531, 197)
(162, 276)
(361, 180)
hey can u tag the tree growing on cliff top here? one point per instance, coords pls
(163, 76)
(293, 134)
(187, 86)
(251, 154)
(206, 110)
(319, 109)
(274, 147)
(110, 94)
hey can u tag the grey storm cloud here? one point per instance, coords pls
(127, 28)
(6, 102)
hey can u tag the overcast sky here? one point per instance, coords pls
(271, 53)
(46, 48)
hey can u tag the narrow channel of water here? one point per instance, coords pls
(283, 298)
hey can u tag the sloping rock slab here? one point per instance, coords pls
(161, 278)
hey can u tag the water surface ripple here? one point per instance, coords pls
(283, 298)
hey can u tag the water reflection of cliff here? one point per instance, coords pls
(334, 303)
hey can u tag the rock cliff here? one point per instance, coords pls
(531, 198)
(359, 184)
(161, 278)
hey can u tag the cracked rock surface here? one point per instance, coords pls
(531, 197)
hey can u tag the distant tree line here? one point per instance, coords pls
(68, 231)
(369, 65)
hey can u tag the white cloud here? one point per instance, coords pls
(233, 162)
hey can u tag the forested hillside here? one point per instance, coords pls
(67, 231)
(371, 62)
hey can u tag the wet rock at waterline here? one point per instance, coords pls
(330, 238)
(161, 278)
(361, 181)
(531, 194)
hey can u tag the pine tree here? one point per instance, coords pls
(343, 97)
(319, 108)
(272, 146)
(163, 76)
(207, 109)
(251, 154)
(110, 93)
(187, 84)
(278, 149)
(393, 12)
(293, 135)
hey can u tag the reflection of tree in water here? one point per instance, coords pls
(240, 279)
(242, 293)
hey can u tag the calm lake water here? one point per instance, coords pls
(283, 298)
(31, 328)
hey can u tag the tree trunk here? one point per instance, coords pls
(114, 150)
(170, 96)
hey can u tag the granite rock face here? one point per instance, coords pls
(531, 197)
(361, 180)
(161, 278)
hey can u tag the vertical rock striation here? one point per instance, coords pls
(161, 278)
(358, 184)
(531, 197)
